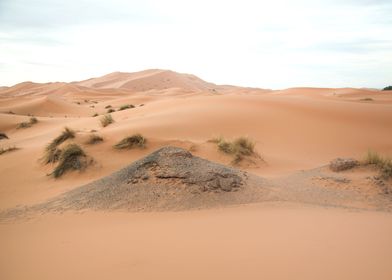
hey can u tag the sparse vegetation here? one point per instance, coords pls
(106, 120)
(94, 139)
(3, 136)
(134, 141)
(384, 164)
(23, 125)
(125, 107)
(7, 150)
(72, 158)
(387, 88)
(95, 115)
(111, 111)
(32, 121)
(367, 99)
(52, 152)
(239, 148)
(108, 106)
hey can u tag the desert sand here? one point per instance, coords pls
(318, 224)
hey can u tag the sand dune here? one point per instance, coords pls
(296, 132)
(149, 79)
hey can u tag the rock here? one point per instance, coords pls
(169, 178)
(341, 164)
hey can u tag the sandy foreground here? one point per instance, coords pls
(273, 241)
(295, 130)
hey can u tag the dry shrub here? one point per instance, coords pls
(106, 120)
(52, 152)
(94, 139)
(238, 148)
(72, 158)
(7, 150)
(134, 141)
(383, 164)
(126, 106)
(3, 136)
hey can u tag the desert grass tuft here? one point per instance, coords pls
(134, 141)
(383, 164)
(94, 139)
(95, 115)
(7, 150)
(3, 136)
(373, 157)
(366, 99)
(72, 158)
(111, 110)
(106, 120)
(126, 106)
(238, 148)
(52, 152)
(32, 121)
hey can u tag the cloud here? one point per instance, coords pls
(263, 43)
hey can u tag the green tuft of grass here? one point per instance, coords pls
(239, 148)
(94, 139)
(7, 150)
(52, 152)
(3, 136)
(106, 120)
(383, 164)
(134, 141)
(126, 106)
(72, 158)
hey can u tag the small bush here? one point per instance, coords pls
(384, 164)
(72, 158)
(111, 111)
(106, 120)
(134, 141)
(3, 136)
(95, 115)
(125, 107)
(94, 139)
(52, 152)
(387, 88)
(32, 121)
(108, 106)
(373, 158)
(239, 148)
(367, 99)
(23, 125)
(386, 169)
(7, 150)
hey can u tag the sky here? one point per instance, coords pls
(267, 44)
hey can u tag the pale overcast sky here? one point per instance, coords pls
(268, 44)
